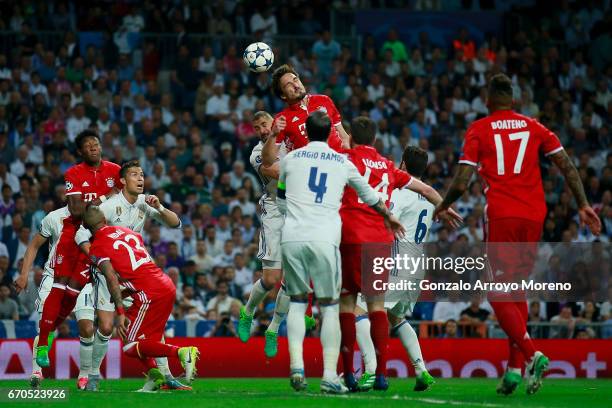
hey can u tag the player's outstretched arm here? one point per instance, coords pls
(21, 283)
(344, 136)
(572, 177)
(449, 216)
(391, 221)
(272, 171)
(269, 153)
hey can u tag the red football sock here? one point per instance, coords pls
(50, 311)
(151, 348)
(148, 363)
(511, 320)
(68, 303)
(515, 359)
(524, 310)
(379, 330)
(309, 308)
(347, 344)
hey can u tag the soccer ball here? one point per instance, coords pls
(258, 57)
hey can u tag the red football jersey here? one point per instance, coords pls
(361, 223)
(506, 147)
(294, 135)
(92, 182)
(126, 252)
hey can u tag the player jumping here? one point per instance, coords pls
(92, 180)
(121, 256)
(505, 147)
(310, 188)
(131, 209)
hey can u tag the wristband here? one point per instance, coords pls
(161, 208)
(120, 311)
(103, 198)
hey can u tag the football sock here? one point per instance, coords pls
(347, 343)
(258, 293)
(309, 308)
(410, 341)
(515, 358)
(330, 340)
(364, 340)
(68, 302)
(296, 330)
(281, 308)
(151, 349)
(100, 346)
(50, 312)
(35, 366)
(511, 320)
(85, 355)
(162, 364)
(379, 331)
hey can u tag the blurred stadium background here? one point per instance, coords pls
(163, 82)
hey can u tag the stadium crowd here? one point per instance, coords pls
(191, 128)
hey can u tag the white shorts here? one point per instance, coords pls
(101, 295)
(83, 308)
(270, 236)
(316, 262)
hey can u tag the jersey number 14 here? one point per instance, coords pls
(381, 188)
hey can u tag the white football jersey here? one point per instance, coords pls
(51, 228)
(414, 212)
(314, 178)
(119, 212)
(269, 184)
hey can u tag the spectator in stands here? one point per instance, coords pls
(224, 327)
(9, 309)
(190, 307)
(564, 324)
(396, 46)
(222, 300)
(450, 329)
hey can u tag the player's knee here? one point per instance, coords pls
(347, 304)
(271, 278)
(86, 329)
(105, 327)
(376, 307)
(393, 319)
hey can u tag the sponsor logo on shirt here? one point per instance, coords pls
(85, 184)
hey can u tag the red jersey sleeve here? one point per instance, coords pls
(549, 142)
(98, 253)
(332, 111)
(73, 186)
(470, 148)
(401, 178)
(335, 142)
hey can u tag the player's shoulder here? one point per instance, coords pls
(113, 167)
(74, 170)
(56, 215)
(256, 154)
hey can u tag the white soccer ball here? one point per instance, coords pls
(258, 57)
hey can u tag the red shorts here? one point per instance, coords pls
(357, 258)
(512, 248)
(70, 261)
(150, 311)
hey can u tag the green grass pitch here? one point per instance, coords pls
(261, 393)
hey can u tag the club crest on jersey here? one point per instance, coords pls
(110, 182)
(258, 159)
(141, 214)
(69, 186)
(118, 211)
(60, 259)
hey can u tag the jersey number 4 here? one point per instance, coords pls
(318, 188)
(499, 148)
(136, 263)
(381, 188)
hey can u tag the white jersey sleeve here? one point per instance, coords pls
(361, 186)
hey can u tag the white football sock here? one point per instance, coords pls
(296, 330)
(330, 340)
(85, 355)
(281, 307)
(410, 341)
(100, 346)
(162, 364)
(257, 295)
(366, 346)
(35, 366)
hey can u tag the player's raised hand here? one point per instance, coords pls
(279, 125)
(122, 326)
(153, 201)
(589, 217)
(21, 283)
